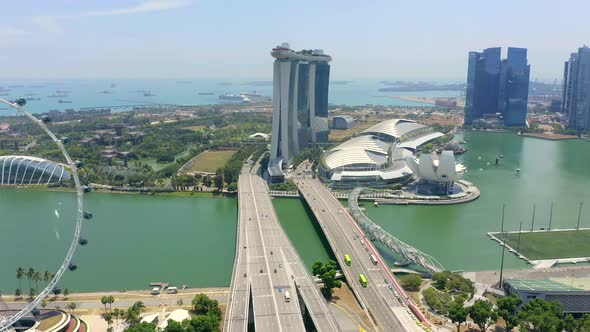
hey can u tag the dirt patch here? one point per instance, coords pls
(345, 298)
(551, 136)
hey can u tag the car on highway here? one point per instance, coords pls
(390, 287)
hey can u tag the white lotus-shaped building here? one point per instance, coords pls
(443, 169)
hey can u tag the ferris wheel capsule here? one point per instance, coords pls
(87, 215)
(72, 267)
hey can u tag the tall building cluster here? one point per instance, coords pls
(300, 102)
(496, 86)
(576, 90)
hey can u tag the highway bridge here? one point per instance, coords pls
(382, 297)
(267, 267)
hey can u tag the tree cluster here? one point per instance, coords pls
(206, 318)
(411, 282)
(453, 283)
(327, 272)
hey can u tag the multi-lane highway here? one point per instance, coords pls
(267, 268)
(382, 296)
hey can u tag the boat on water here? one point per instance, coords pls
(63, 91)
(33, 98)
(105, 92)
(405, 262)
(61, 101)
(255, 96)
(148, 94)
(206, 93)
(234, 98)
(57, 95)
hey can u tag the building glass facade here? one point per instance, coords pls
(483, 75)
(496, 86)
(322, 81)
(25, 170)
(516, 85)
(576, 90)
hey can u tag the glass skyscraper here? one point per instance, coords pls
(300, 103)
(516, 85)
(576, 90)
(497, 86)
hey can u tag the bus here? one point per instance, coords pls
(373, 259)
(363, 280)
(347, 259)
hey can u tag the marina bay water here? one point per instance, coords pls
(92, 93)
(456, 234)
(134, 240)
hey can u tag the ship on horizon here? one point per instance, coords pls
(234, 98)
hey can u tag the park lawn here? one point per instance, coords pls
(210, 161)
(551, 244)
(156, 166)
(50, 322)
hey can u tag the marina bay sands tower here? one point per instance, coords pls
(300, 102)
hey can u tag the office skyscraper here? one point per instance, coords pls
(576, 90)
(483, 77)
(516, 85)
(497, 86)
(300, 102)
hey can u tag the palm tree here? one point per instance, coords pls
(30, 273)
(66, 293)
(131, 317)
(20, 273)
(32, 293)
(37, 277)
(108, 317)
(139, 307)
(121, 313)
(111, 300)
(116, 313)
(47, 276)
(104, 301)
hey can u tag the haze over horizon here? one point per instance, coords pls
(232, 40)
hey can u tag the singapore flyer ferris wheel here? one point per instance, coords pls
(6, 322)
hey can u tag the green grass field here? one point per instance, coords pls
(195, 128)
(551, 244)
(209, 161)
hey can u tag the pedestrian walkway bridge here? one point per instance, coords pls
(375, 232)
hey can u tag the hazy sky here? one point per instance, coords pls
(232, 39)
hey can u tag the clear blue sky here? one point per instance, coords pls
(232, 39)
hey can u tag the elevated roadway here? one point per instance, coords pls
(383, 297)
(267, 267)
